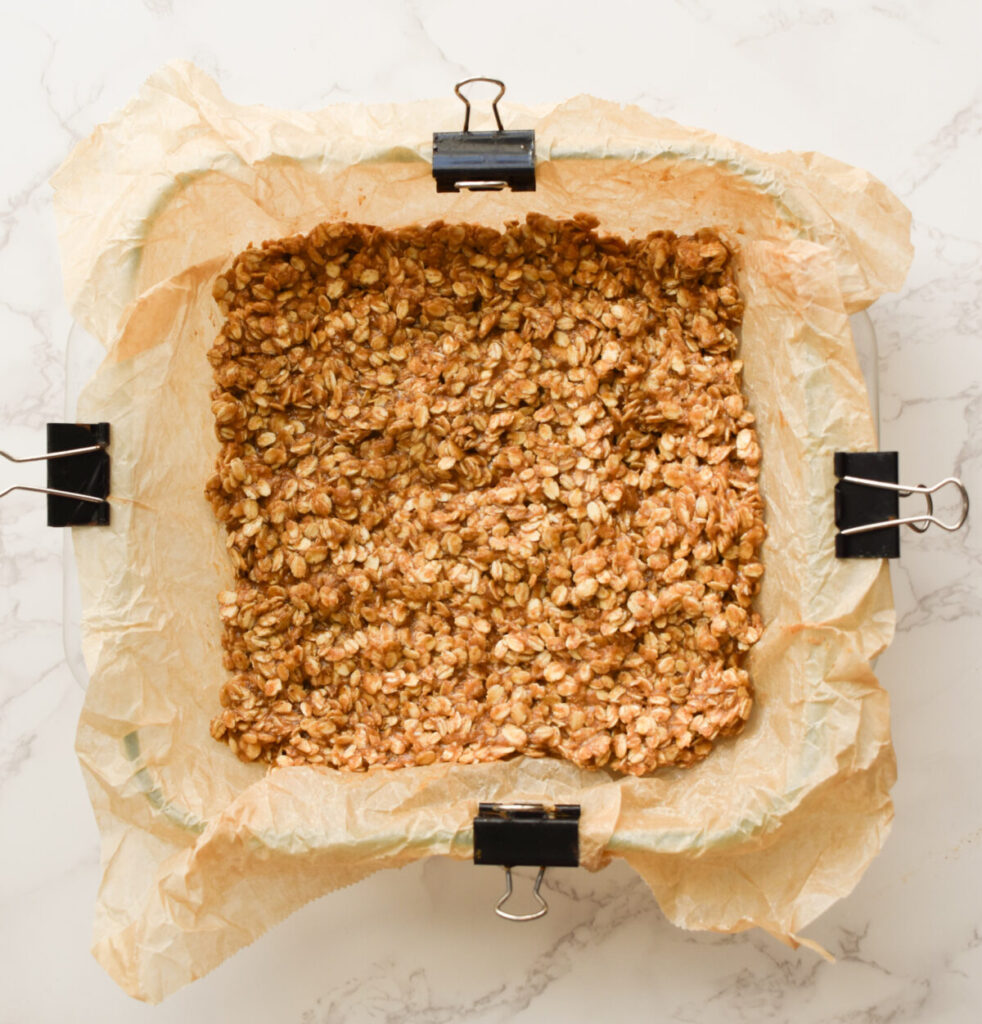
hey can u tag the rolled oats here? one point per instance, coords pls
(484, 492)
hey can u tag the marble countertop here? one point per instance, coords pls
(892, 86)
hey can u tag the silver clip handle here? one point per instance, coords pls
(919, 523)
(481, 186)
(494, 102)
(536, 914)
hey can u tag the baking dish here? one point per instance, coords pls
(803, 275)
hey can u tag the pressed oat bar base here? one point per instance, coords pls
(485, 493)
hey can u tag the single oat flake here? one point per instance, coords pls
(485, 493)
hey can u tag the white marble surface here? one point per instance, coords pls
(892, 86)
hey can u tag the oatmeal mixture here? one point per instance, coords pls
(485, 493)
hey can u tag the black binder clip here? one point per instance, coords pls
(512, 835)
(484, 161)
(867, 505)
(78, 474)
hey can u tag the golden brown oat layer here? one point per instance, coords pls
(485, 492)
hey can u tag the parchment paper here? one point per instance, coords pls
(201, 853)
